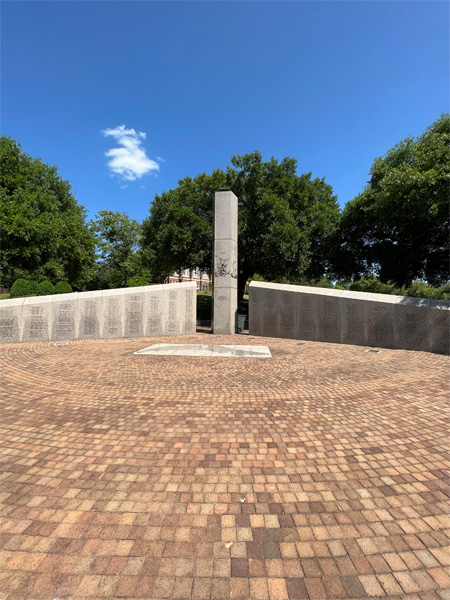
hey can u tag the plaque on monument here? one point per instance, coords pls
(307, 318)
(352, 308)
(287, 314)
(256, 311)
(440, 326)
(134, 315)
(90, 309)
(9, 324)
(381, 320)
(112, 314)
(271, 313)
(36, 318)
(328, 318)
(413, 323)
(153, 326)
(188, 310)
(64, 311)
(172, 312)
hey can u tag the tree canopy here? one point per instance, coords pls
(43, 228)
(117, 240)
(290, 225)
(283, 218)
(398, 227)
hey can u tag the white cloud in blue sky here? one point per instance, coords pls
(129, 161)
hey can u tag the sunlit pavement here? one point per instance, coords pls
(317, 473)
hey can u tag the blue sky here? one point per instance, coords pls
(332, 84)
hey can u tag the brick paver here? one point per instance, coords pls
(318, 473)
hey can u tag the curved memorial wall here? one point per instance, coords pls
(147, 311)
(344, 317)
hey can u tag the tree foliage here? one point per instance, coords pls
(283, 217)
(62, 287)
(143, 278)
(398, 227)
(178, 233)
(45, 288)
(20, 288)
(117, 241)
(43, 228)
(417, 289)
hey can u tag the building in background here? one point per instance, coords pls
(203, 280)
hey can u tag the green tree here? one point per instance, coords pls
(21, 287)
(283, 217)
(398, 227)
(43, 228)
(118, 240)
(143, 278)
(178, 233)
(45, 288)
(62, 287)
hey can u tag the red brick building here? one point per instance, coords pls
(203, 280)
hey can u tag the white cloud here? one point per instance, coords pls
(129, 161)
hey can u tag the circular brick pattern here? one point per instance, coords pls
(317, 473)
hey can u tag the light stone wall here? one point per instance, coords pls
(345, 317)
(225, 262)
(153, 310)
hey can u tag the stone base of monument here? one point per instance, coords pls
(221, 350)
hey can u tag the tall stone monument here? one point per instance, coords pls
(225, 262)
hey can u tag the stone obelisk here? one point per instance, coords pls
(225, 262)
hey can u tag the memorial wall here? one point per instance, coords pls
(147, 311)
(338, 316)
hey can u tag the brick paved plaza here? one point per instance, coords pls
(317, 473)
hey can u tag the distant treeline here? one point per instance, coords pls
(373, 285)
(391, 238)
